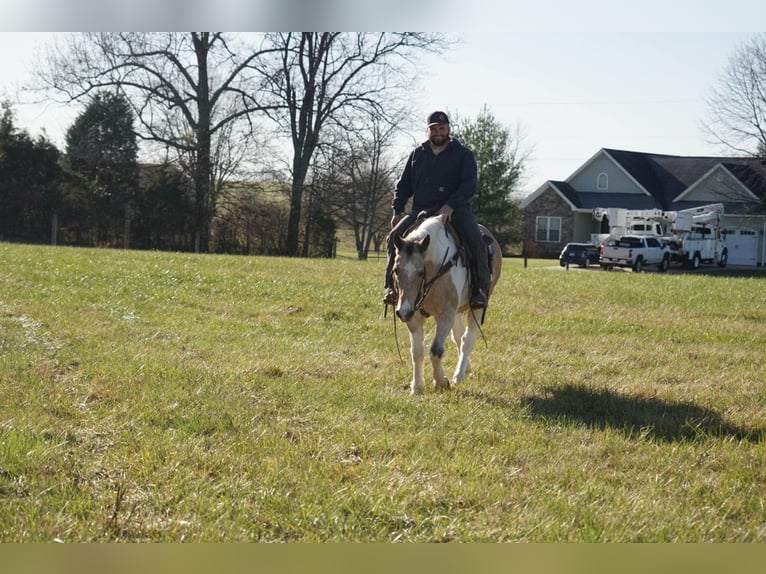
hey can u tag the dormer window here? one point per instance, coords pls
(602, 181)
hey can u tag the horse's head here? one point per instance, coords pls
(409, 274)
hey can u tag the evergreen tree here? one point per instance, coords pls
(500, 166)
(29, 182)
(164, 210)
(101, 150)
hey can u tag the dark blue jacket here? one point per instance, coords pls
(449, 178)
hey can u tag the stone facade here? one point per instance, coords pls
(549, 204)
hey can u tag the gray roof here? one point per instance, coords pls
(668, 176)
(665, 178)
(591, 200)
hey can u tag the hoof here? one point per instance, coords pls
(416, 390)
(442, 385)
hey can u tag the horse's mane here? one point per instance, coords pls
(428, 226)
(435, 227)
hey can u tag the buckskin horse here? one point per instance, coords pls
(431, 276)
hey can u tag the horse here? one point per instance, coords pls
(432, 279)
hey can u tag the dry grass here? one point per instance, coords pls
(168, 397)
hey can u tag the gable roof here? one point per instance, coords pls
(664, 178)
(668, 177)
(739, 191)
(526, 200)
(751, 173)
(587, 201)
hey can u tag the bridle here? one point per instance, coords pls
(425, 286)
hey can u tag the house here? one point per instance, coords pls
(562, 211)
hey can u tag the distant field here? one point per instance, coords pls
(177, 397)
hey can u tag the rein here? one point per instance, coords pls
(425, 286)
(396, 334)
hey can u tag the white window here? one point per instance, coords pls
(548, 229)
(602, 181)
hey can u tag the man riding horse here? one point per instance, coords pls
(441, 178)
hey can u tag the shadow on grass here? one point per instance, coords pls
(652, 418)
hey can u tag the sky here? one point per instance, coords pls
(573, 93)
(574, 77)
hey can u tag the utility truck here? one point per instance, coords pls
(690, 236)
(630, 222)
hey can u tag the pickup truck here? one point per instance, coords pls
(636, 252)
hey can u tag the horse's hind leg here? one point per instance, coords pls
(443, 325)
(466, 344)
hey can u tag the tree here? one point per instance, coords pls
(737, 105)
(252, 218)
(101, 149)
(163, 208)
(356, 178)
(30, 178)
(500, 162)
(318, 81)
(186, 89)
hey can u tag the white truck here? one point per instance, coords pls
(691, 236)
(635, 252)
(696, 237)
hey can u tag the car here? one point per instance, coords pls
(581, 254)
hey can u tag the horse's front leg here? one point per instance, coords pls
(466, 344)
(463, 366)
(417, 350)
(443, 326)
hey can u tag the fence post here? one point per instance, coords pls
(54, 229)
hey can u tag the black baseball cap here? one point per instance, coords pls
(437, 118)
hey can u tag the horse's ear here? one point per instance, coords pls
(423, 243)
(398, 242)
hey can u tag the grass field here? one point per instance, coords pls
(176, 397)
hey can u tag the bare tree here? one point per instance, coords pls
(356, 177)
(737, 105)
(737, 121)
(323, 80)
(187, 90)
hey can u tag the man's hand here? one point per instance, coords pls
(445, 211)
(396, 219)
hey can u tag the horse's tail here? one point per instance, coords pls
(494, 256)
